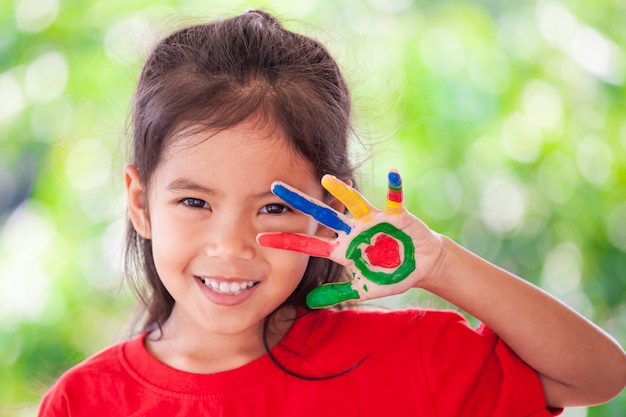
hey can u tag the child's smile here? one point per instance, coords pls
(227, 291)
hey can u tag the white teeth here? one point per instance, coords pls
(225, 287)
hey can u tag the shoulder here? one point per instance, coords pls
(375, 329)
(458, 366)
(426, 335)
(326, 342)
(383, 321)
(105, 361)
(86, 379)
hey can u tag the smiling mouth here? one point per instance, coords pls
(228, 288)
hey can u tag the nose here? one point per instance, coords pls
(231, 239)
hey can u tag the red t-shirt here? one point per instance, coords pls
(408, 363)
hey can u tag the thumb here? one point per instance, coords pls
(330, 294)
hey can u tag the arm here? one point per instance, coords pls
(391, 251)
(578, 364)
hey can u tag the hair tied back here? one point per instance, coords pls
(255, 13)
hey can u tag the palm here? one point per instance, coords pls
(381, 249)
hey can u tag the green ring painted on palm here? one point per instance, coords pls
(378, 277)
(329, 294)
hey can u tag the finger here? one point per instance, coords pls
(298, 243)
(394, 195)
(354, 202)
(331, 294)
(308, 205)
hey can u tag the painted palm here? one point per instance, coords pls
(387, 252)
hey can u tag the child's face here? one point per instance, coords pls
(208, 199)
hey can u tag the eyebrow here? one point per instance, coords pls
(185, 184)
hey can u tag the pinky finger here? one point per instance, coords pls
(394, 194)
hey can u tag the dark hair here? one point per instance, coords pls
(218, 75)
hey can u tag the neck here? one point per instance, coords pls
(197, 350)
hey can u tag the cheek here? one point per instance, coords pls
(166, 259)
(287, 266)
(170, 244)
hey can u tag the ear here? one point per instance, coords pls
(137, 202)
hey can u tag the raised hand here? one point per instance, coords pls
(381, 249)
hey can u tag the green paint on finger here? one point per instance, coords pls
(330, 294)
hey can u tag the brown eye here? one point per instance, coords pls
(274, 208)
(195, 203)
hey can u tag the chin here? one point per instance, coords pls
(233, 326)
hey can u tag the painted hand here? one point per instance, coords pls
(381, 249)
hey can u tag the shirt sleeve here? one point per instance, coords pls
(474, 373)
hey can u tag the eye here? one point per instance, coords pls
(275, 208)
(195, 203)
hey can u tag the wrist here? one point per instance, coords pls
(443, 267)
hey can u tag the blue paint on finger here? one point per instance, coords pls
(394, 179)
(324, 215)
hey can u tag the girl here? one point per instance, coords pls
(235, 279)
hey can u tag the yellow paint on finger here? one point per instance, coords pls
(393, 207)
(354, 202)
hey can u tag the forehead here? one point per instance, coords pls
(248, 153)
(243, 141)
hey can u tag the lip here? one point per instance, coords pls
(226, 300)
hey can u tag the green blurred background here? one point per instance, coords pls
(507, 120)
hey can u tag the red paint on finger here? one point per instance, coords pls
(385, 252)
(394, 195)
(298, 243)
